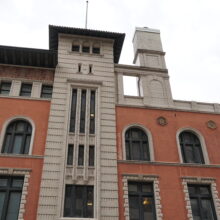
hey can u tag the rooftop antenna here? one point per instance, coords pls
(87, 2)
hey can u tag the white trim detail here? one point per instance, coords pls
(26, 174)
(142, 178)
(149, 136)
(201, 180)
(201, 139)
(15, 118)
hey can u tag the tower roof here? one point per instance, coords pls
(118, 38)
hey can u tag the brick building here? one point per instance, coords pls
(75, 146)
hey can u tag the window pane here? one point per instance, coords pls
(5, 87)
(79, 202)
(27, 144)
(92, 113)
(17, 144)
(75, 48)
(5, 149)
(91, 155)
(3, 182)
(128, 154)
(136, 153)
(13, 206)
(81, 155)
(134, 208)
(96, 50)
(83, 111)
(145, 151)
(26, 89)
(20, 126)
(195, 208)
(132, 187)
(189, 154)
(89, 212)
(147, 188)
(207, 209)
(85, 49)
(2, 201)
(17, 182)
(46, 91)
(148, 208)
(70, 155)
(68, 202)
(198, 154)
(73, 111)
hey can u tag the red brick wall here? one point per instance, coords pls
(165, 150)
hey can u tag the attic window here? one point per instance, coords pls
(132, 86)
(75, 47)
(96, 49)
(85, 48)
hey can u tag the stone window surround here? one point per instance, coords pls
(201, 139)
(201, 180)
(149, 135)
(16, 87)
(142, 178)
(15, 118)
(88, 85)
(26, 174)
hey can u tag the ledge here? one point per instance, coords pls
(169, 164)
(25, 156)
(25, 97)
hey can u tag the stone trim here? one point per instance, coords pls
(26, 174)
(143, 178)
(200, 180)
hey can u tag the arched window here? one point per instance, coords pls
(137, 146)
(17, 137)
(190, 148)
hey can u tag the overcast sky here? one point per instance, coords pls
(190, 33)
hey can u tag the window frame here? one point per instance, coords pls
(199, 198)
(150, 142)
(5, 82)
(202, 143)
(21, 93)
(42, 94)
(8, 190)
(3, 133)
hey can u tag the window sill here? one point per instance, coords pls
(74, 218)
(25, 97)
(22, 156)
(168, 163)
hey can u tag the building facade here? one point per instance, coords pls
(75, 146)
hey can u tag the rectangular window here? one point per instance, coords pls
(10, 196)
(78, 201)
(70, 154)
(92, 113)
(85, 49)
(81, 155)
(73, 111)
(5, 88)
(96, 50)
(75, 48)
(83, 112)
(46, 91)
(201, 202)
(91, 155)
(26, 89)
(141, 201)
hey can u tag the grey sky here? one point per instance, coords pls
(190, 33)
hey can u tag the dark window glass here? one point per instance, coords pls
(75, 48)
(201, 202)
(91, 155)
(78, 201)
(26, 89)
(17, 138)
(92, 113)
(46, 91)
(96, 50)
(5, 88)
(73, 111)
(85, 49)
(141, 201)
(90, 68)
(81, 155)
(10, 197)
(70, 154)
(136, 143)
(79, 67)
(191, 148)
(83, 111)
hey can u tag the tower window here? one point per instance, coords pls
(70, 154)
(92, 113)
(86, 48)
(73, 110)
(75, 48)
(83, 111)
(81, 155)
